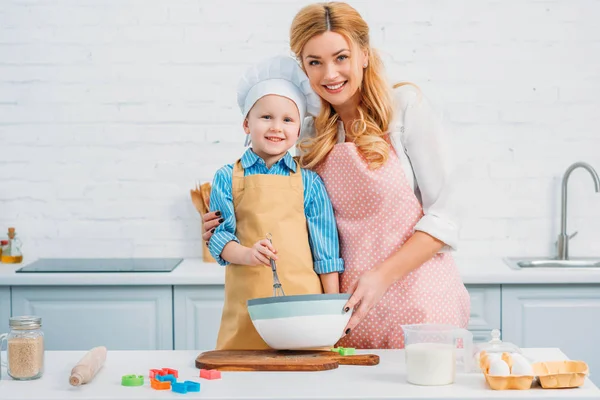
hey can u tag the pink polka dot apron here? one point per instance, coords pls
(376, 212)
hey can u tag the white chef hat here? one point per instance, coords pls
(280, 75)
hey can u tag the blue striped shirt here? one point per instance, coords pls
(322, 229)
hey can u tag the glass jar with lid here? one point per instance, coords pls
(24, 348)
(495, 347)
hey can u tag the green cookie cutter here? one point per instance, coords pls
(132, 380)
(347, 351)
(344, 351)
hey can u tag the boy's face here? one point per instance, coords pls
(273, 124)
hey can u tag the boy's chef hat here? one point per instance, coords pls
(280, 75)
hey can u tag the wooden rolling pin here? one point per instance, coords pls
(88, 366)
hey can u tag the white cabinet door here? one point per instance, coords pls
(567, 317)
(485, 308)
(197, 316)
(118, 317)
(4, 308)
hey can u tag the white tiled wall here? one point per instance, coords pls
(110, 110)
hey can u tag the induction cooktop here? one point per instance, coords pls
(96, 265)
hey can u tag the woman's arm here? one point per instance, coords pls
(418, 249)
(426, 141)
(373, 284)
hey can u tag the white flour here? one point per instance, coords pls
(430, 363)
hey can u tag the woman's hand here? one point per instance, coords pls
(366, 292)
(372, 285)
(210, 221)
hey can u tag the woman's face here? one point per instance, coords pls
(334, 67)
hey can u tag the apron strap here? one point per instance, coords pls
(296, 177)
(237, 179)
(238, 170)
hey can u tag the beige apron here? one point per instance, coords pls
(262, 204)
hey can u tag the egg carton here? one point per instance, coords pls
(550, 374)
(560, 374)
(504, 382)
(512, 382)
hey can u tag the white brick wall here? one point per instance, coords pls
(110, 110)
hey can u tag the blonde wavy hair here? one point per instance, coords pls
(375, 109)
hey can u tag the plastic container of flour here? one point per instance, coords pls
(434, 352)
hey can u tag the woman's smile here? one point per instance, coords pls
(335, 88)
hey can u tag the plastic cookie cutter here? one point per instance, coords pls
(132, 380)
(163, 372)
(210, 374)
(343, 351)
(163, 378)
(170, 371)
(156, 372)
(179, 387)
(347, 351)
(158, 385)
(192, 386)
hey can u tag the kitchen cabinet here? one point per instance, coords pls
(118, 317)
(4, 308)
(187, 317)
(485, 311)
(197, 316)
(563, 316)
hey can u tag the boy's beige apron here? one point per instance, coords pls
(262, 204)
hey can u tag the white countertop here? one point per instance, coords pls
(195, 272)
(384, 381)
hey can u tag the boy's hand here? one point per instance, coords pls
(260, 253)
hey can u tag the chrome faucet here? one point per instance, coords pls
(563, 239)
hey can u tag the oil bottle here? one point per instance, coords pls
(11, 253)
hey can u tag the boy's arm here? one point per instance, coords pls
(224, 246)
(330, 282)
(259, 254)
(221, 199)
(323, 234)
(235, 253)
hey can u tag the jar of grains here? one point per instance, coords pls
(24, 348)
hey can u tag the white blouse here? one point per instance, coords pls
(420, 141)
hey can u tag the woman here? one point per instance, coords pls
(381, 155)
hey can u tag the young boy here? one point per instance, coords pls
(267, 192)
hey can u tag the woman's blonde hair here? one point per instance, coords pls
(375, 109)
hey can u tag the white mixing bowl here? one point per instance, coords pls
(300, 321)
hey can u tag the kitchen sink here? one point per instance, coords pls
(543, 262)
(562, 260)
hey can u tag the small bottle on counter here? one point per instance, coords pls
(25, 348)
(11, 253)
(3, 244)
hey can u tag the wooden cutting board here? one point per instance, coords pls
(279, 360)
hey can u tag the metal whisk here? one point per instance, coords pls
(277, 289)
